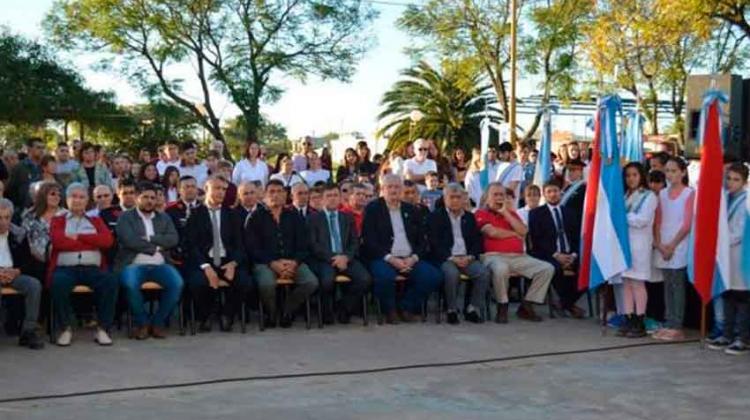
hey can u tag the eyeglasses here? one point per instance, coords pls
(423, 149)
(102, 196)
(345, 190)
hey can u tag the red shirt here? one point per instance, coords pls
(512, 245)
(357, 217)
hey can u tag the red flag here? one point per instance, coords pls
(589, 212)
(708, 204)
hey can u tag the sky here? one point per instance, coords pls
(315, 108)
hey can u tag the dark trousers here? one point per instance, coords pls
(205, 297)
(352, 291)
(565, 286)
(422, 280)
(104, 284)
(737, 315)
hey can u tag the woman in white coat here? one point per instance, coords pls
(641, 206)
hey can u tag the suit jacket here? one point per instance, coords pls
(264, 233)
(199, 237)
(377, 231)
(542, 237)
(575, 206)
(20, 251)
(178, 212)
(440, 235)
(320, 237)
(130, 232)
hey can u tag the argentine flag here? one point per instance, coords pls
(746, 245)
(708, 254)
(632, 144)
(543, 168)
(605, 245)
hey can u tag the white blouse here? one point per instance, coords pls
(245, 171)
(641, 207)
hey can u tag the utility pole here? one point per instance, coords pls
(513, 68)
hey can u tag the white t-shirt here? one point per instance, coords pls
(198, 171)
(419, 168)
(312, 177)
(247, 172)
(161, 166)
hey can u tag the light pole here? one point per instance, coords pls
(513, 68)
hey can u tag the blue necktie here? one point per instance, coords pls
(334, 226)
(561, 240)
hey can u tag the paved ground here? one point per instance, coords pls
(654, 382)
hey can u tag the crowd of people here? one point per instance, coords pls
(411, 216)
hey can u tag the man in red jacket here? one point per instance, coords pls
(79, 245)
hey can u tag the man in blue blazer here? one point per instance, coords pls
(393, 242)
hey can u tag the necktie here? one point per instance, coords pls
(562, 242)
(334, 226)
(216, 214)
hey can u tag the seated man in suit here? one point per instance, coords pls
(180, 210)
(145, 237)
(15, 262)
(280, 248)
(249, 193)
(455, 245)
(301, 200)
(79, 256)
(504, 233)
(215, 252)
(393, 241)
(334, 244)
(552, 238)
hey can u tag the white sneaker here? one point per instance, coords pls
(102, 338)
(65, 337)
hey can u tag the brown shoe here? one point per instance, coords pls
(502, 313)
(526, 311)
(408, 317)
(140, 333)
(576, 312)
(158, 332)
(391, 318)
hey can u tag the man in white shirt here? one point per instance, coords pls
(189, 164)
(315, 173)
(416, 168)
(492, 163)
(509, 172)
(15, 260)
(171, 157)
(144, 237)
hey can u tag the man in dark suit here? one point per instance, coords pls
(455, 246)
(393, 242)
(301, 200)
(15, 266)
(249, 193)
(126, 201)
(215, 252)
(334, 244)
(280, 250)
(180, 211)
(553, 238)
(144, 238)
(574, 193)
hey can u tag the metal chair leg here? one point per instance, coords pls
(364, 310)
(192, 316)
(243, 317)
(308, 313)
(262, 319)
(320, 310)
(181, 317)
(51, 321)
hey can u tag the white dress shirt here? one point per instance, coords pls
(6, 258)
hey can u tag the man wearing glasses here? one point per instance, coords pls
(417, 167)
(25, 173)
(102, 199)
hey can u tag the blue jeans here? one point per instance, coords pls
(422, 280)
(104, 284)
(131, 279)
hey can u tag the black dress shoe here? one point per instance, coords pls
(269, 321)
(453, 318)
(328, 318)
(286, 321)
(474, 317)
(344, 317)
(501, 317)
(31, 340)
(226, 323)
(205, 326)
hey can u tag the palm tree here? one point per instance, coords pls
(452, 101)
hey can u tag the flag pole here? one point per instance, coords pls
(703, 325)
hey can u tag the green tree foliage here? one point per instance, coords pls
(452, 100)
(236, 47)
(38, 88)
(272, 135)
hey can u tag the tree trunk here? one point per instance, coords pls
(82, 130)
(65, 130)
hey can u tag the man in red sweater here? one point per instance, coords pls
(79, 245)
